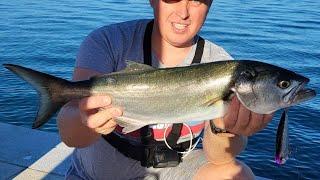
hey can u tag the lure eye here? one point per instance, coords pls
(284, 84)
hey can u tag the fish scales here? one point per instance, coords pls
(165, 95)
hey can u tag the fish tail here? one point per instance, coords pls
(49, 88)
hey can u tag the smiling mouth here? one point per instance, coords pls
(178, 27)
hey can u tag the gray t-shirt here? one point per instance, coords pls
(108, 48)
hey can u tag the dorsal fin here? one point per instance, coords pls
(130, 68)
(134, 66)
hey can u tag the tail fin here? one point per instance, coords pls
(49, 89)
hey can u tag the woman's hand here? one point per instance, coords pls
(98, 114)
(239, 120)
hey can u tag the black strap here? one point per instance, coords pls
(125, 147)
(199, 51)
(145, 132)
(147, 44)
(174, 135)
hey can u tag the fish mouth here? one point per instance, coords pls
(303, 95)
(299, 94)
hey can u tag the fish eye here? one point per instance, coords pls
(284, 84)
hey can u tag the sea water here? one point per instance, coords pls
(45, 35)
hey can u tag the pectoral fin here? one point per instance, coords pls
(211, 102)
(129, 124)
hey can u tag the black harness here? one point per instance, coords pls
(151, 152)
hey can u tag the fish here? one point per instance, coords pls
(174, 95)
(282, 139)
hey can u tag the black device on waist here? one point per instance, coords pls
(155, 153)
(151, 152)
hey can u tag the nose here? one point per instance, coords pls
(182, 9)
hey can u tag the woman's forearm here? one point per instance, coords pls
(222, 148)
(72, 132)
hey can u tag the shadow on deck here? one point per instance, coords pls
(31, 154)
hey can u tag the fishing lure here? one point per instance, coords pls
(282, 140)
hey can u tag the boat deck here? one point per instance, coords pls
(32, 154)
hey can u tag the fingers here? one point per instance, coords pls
(107, 127)
(98, 119)
(255, 124)
(266, 119)
(240, 120)
(98, 114)
(231, 117)
(243, 119)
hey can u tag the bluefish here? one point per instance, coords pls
(174, 95)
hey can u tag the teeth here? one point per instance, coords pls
(179, 26)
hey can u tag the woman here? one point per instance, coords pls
(169, 40)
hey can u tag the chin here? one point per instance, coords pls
(182, 42)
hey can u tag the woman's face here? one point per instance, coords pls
(178, 21)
